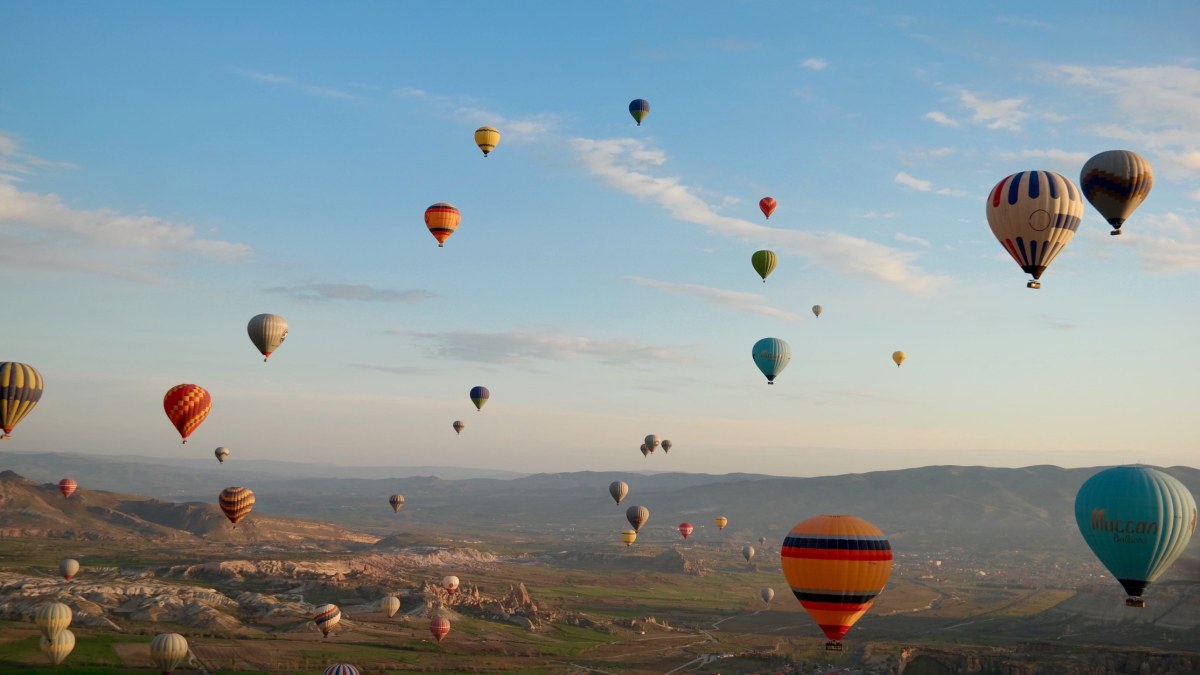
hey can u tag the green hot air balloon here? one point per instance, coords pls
(771, 355)
(1137, 520)
(764, 263)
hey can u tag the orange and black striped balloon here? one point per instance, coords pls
(20, 390)
(187, 405)
(442, 220)
(236, 502)
(836, 565)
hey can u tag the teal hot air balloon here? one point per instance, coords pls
(771, 355)
(1137, 520)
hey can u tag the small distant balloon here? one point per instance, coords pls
(637, 517)
(326, 617)
(450, 583)
(459, 425)
(767, 206)
(68, 567)
(748, 552)
(720, 522)
(222, 454)
(666, 446)
(396, 501)
(767, 594)
(639, 108)
(899, 357)
(817, 309)
(618, 489)
(685, 529)
(442, 219)
(487, 138)
(267, 332)
(645, 450)
(67, 487)
(480, 396)
(764, 262)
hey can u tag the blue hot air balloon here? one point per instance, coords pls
(639, 108)
(479, 396)
(1137, 520)
(771, 355)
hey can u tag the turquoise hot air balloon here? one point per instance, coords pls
(771, 355)
(1137, 520)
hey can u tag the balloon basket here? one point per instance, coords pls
(1135, 602)
(1033, 284)
(834, 646)
(1115, 233)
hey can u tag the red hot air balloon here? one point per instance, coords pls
(440, 627)
(67, 487)
(187, 405)
(685, 529)
(767, 206)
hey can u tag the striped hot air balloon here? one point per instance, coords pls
(836, 565)
(637, 517)
(764, 262)
(396, 501)
(652, 442)
(767, 206)
(52, 618)
(68, 568)
(487, 138)
(685, 529)
(1116, 182)
(640, 109)
(67, 487)
(326, 617)
(168, 650)
(341, 669)
(187, 405)
(236, 503)
(60, 648)
(267, 332)
(771, 355)
(628, 536)
(440, 627)
(20, 390)
(720, 522)
(618, 489)
(459, 425)
(390, 605)
(1034, 214)
(480, 396)
(442, 220)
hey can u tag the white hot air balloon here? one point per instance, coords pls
(267, 332)
(1034, 214)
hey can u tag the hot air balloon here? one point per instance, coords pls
(1116, 182)
(58, 649)
(168, 650)
(68, 568)
(685, 529)
(652, 442)
(764, 263)
(720, 522)
(639, 108)
(767, 594)
(326, 617)
(396, 501)
(459, 425)
(748, 552)
(817, 309)
(637, 517)
(836, 565)
(645, 450)
(767, 206)
(1034, 214)
(67, 487)
(1137, 520)
(440, 627)
(479, 396)
(267, 332)
(341, 669)
(762, 542)
(390, 605)
(442, 220)
(20, 389)
(628, 536)
(222, 454)
(51, 618)
(187, 405)
(666, 446)
(487, 138)
(771, 355)
(450, 583)
(618, 489)
(236, 503)
(899, 357)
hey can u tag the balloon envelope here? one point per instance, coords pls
(267, 332)
(720, 522)
(1137, 521)
(1116, 182)
(67, 487)
(639, 108)
(20, 390)
(236, 503)
(767, 206)
(440, 628)
(764, 263)
(618, 489)
(459, 425)
(487, 138)
(817, 309)
(341, 669)
(637, 517)
(222, 454)
(326, 617)
(652, 442)
(645, 450)
(58, 650)
(450, 583)
(836, 566)
(390, 605)
(748, 552)
(771, 355)
(898, 358)
(186, 406)
(479, 396)
(685, 529)
(396, 501)
(666, 446)
(442, 220)
(767, 594)
(168, 650)
(51, 618)
(628, 536)
(1034, 214)
(68, 568)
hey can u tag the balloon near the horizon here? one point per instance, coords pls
(685, 529)
(168, 650)
(442, 219)
(836, 565)
(1116, 182)
(764, 263)
(487, 138)
(459, 425)
(68, 487)
(440, 628)
(21, 388)
(1138, 521)
(187, 405)
(68, 568)
(396, 501)
(771, 355)
(898, 358)
(628, 537)
(639, 108)
(618, 489)
(236, 503)
(480, 396)
(645, 450)
(222, 454)
(637, 517)
(767, 206)
(326, 617)
(1034, 214)
(60, 648)
(720, 522)
(267, 332)
(390, 605)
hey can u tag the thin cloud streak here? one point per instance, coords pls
(520, 129)
(517, 347)
(1167, 243)
(941, 118)
(285, 81)
(751, 303)
(355, 292)
(998, 114)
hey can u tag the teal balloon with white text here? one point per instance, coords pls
(771, 355)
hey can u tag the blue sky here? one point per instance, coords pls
(169, 170)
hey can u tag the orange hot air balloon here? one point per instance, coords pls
(720, 522)
(685, 529)
(836, 565)
(440, 627)
(187, 405)
(67, 487)
(442, 220)
(767, 206)
(236, 503)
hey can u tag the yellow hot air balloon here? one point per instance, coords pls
(52, 618)
(58, 650)
(168, 650)
(68, 568)
(899, 357)
(487, 138)
(720, 522)
(20, 390)
(390, 605)
(628, 536)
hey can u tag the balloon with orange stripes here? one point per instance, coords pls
(186, 406)
(836, 565)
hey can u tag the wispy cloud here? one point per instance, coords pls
(732, 44)
(751, 303)
(15, 165)
(518, 129)
(627, 165)
(994, 114)
(1167, 243)
(941, 118)
(357, 292)
(394, 370)
(285, 81)
(877, 215)
(910, 239)
(815, 64)
(1022, 22)
(1060, 157)
(922, 185)
(524, 346)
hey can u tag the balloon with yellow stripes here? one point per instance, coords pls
(20, 390)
